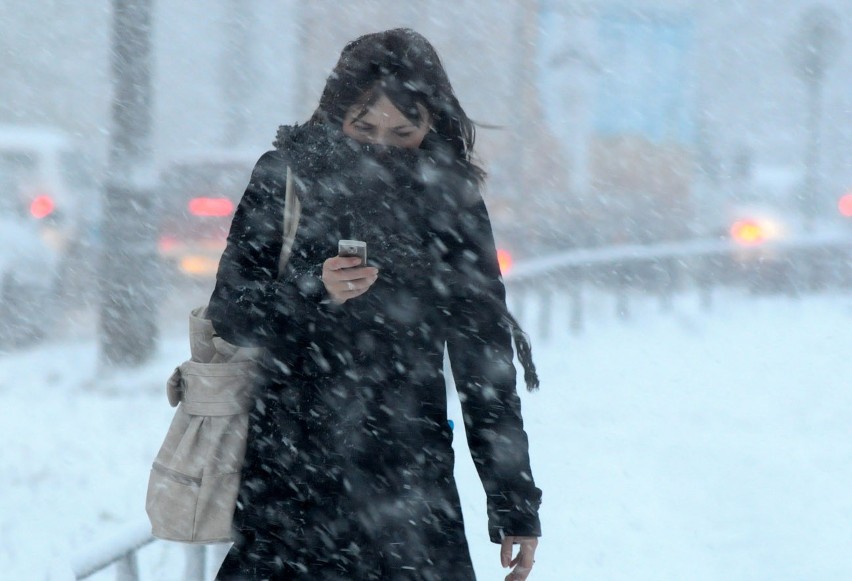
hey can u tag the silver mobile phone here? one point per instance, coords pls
(353, 248)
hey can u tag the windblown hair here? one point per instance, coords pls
(403, 66)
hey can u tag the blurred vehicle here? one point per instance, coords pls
(752, 225)
(48, 206)
(778, 245)
(46, 179)
(199, 194)
(28, 277)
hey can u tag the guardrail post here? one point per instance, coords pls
(195, 562)
(667, 270)
(703, 269)
(127, 568)
(576, 296)
(819, 271)
(622, 304)
(623, 277)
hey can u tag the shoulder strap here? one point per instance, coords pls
(292, 211)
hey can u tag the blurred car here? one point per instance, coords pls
(752, 225)
(46, 179)
(48, 204)
(28, 276)
(777, 249)
(199, 194)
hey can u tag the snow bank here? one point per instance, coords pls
(680, 446)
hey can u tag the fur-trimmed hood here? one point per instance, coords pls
(323, 157)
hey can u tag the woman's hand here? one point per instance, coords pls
(344, 281)
(523, 563)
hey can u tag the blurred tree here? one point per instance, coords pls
(238, 78)
(128, 330)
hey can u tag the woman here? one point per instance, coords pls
(349, 468)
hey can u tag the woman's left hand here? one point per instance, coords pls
(344, 279)
(523, 563)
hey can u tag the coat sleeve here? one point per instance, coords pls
(250, 305)
(480, 349)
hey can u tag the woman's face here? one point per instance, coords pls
(383, 124)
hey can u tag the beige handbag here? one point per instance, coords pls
(193, 485)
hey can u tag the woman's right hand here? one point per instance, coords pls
(344, 279)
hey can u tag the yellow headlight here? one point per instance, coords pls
(199, 265)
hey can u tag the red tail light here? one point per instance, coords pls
(42, 207)
(167, 243)
(504, 259)
(211, 207)
(845, 205)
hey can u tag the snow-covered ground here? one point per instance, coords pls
(684, 445)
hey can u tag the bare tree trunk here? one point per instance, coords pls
(128, 330)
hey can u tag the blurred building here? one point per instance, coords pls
(600, 120)
(619, 82)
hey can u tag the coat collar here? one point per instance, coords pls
(318, 153)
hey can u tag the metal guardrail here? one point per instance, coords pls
(665, 268)
(568, 272)
(667, 250)
(121, 550)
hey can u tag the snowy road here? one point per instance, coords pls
(680, 446)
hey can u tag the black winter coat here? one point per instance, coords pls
(349, 467)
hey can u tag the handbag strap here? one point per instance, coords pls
(292, 212)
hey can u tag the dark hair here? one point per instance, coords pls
(403, 66)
